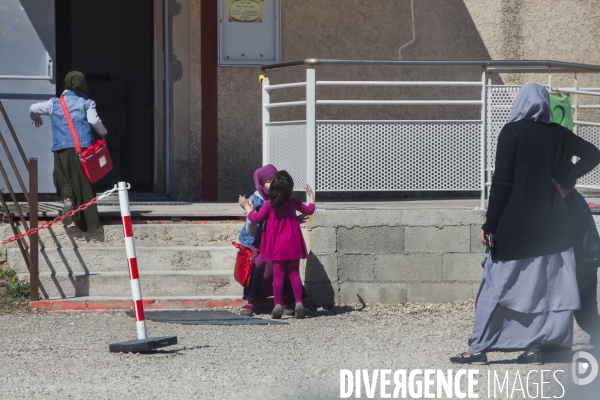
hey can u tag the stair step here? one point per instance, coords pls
(101, 303)
(202, 233)
(114, 259)
(156, 283)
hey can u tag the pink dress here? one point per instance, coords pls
(282, 238)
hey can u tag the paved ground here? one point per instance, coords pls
(65, 355)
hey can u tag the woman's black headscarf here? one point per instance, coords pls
(76, 82)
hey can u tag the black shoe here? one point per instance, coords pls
(466, 358)
(532, 356)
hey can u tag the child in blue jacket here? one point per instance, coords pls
(261, 284)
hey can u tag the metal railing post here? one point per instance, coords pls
(266, 118)
(311, 128)
(576, 104)
(33, 223)
(483, 134)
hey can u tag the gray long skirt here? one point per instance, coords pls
(525, 302)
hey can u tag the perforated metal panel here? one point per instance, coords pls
(398, 155)
(286, 149)
(591, 134)
(500, 101)
(499, 105)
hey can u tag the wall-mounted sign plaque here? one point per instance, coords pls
(245, 11)
(249, 32)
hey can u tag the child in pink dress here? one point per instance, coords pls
(282, 241)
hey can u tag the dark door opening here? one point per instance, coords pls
(111, 42)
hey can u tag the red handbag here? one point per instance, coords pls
(95, 160)
(244, 263)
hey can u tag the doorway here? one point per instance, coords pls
(112, 43)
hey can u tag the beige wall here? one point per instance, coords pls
(445, 29)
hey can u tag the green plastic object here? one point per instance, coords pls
(560, 104)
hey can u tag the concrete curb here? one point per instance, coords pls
(149, 304)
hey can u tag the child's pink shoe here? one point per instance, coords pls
(248, 309)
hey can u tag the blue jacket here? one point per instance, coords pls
(251, 232)
(61, 135)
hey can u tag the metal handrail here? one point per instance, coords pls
(544, 65)
(397, 83)
(574, 91)
(286, 104)
(286, 86)
(31, 259)
(398, 102)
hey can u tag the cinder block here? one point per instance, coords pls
(408, 267)
(352, 218)
(439, 292)
(322, 294)
(322, 240)
(476, 247)
(380, 239)
(462, 267)
(305, 235)
(322, 268)
(397, 217)
(372, 293)
(356, 267)
(439, 218)
(449, 239)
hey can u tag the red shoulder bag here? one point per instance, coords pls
(95, 160)
(244, 263)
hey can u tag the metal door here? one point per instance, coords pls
(27, 51)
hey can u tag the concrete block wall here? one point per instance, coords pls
(393, 256)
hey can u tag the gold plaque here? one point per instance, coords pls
(245, 11)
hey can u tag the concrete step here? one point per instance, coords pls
(99, 303)
(114, 259)
(200, 233)
(154, 284)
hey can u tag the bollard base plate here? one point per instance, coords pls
(141, 345)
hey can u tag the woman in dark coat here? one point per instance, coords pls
(528, 290)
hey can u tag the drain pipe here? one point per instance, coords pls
(414, 35)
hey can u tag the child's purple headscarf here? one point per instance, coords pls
(261, 176)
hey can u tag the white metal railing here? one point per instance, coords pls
(401, 102)
(397, 83)
(442, 155)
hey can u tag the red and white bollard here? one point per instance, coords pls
(136, 289)
(143, 343)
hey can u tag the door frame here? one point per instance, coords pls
(161, 99)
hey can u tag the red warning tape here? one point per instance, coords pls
(59, 219)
